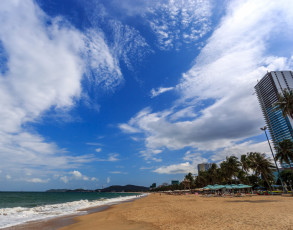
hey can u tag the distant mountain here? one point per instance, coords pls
(126, 188)
(114, 188)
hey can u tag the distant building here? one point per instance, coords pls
(203, 167)
(267, 90)
(174, 182)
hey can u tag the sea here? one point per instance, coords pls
(21, 207)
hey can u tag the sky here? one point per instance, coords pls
(96, 93)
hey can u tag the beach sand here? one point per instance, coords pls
(170, 212)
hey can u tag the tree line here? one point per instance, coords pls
(253, 168)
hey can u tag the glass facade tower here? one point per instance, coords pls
(267, 90)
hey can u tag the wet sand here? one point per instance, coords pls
(170, 212)
(55, 222)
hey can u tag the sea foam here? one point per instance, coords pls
(19, 215)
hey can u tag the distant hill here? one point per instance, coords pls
(114, 188)
(126, 188)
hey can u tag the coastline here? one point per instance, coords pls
(170, 212)
(56, 222)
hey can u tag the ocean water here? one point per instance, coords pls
(20, 207)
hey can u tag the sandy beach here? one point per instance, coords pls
(169, 212)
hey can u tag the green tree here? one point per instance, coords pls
(285, 152)
(230, 168)
(221, 179)
(287, 177)
(242, 177)
(202, 179)
(285, 103)
(262, 166)
(212, 173)
(245, 163)
(190, 178)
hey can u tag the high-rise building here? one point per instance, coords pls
(203, 167)
(267, 90)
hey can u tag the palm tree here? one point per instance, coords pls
(285, 103)
(212, 173)
(201, 179)
(230, 167)
(285, 152)
(242, 177)
(262, 166)
(190, 178)
(244, 160)
(220, 176)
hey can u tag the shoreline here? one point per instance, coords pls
(54, 223)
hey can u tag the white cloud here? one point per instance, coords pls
(39, 158)
(118, 172)
(64, 179)
(242, 148)
(217, 107)
(8, 177)
(173, 22)
(150, 154)
(78, 175)
(135, 138)
(192, 159)
(75, 175)
(28, 173)
(38, 180)
(111, 157)
(129, 46)
(176, 22)
(176, 169)
(157, 92)
(45, 65)
(128, 129)
(146, 168)
(94, 179)
(195, 157)
(188, 112)
(108, 180)
(98, 150)
(104, 68)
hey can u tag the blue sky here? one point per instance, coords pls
(95, 93)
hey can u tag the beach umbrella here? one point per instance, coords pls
(206, 188)
(220, 187)
(227, 186)
(246, 186)
(210, 187)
